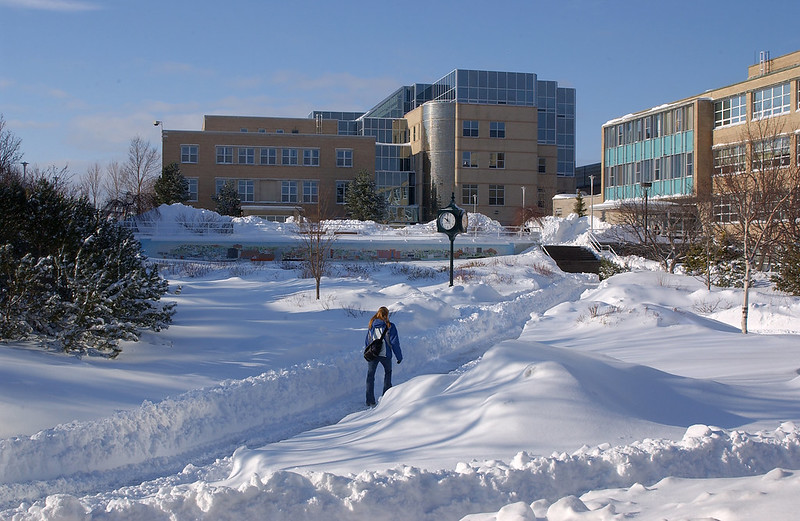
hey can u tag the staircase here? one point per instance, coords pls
(573, 259)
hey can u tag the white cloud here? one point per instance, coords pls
(52, 5)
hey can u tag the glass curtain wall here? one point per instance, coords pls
(656, 148)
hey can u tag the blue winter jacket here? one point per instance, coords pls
(391, 338)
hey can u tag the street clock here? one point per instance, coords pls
(452, 220)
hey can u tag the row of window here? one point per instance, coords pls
(497, 194)
(496, 160)
(767, 102)
(766, 154)
(471, 128)
(650, 170)
(268, 156)
(651, 126)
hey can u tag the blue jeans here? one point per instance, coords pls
(387, 377)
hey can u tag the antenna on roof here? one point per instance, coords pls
(763, 62)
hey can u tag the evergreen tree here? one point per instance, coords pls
(228, 202)
(580, 205)
(362, 200)
(69, 277)
(788, 277)
(171, 187)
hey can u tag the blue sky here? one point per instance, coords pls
(80, 78)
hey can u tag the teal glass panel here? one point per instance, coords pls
(689, 141)
(678, 144)
(648, 149)
(667, 151)
(657, 147)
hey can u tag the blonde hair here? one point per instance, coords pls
(383, 314)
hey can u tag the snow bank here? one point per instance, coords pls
(406, 492)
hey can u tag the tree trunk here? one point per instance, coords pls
(746, 298)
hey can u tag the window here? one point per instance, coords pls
(311, 157)
(246, 190)
(344, 157)
(288, 191)
(469, 160)
(188, 153)
(224, 155)
(310, 192)
(289, 156)
(469, 194)
(771, 101)
(497, 129)
(729, 160)
(247, 156)
(192, 183)
(497, 195)
(341, 191)
(771, 153)
(497, 160)
(269, 156)
(470, 128)
(542, 165)
(730, 111)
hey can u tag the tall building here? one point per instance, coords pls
(674, 150)
(497, 141)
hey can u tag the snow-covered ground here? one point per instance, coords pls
(525, 394)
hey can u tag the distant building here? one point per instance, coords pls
(498, 141)
(678, 147)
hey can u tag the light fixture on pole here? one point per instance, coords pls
(591, 203)
(474, 203)
(24, 170)
(159, 123)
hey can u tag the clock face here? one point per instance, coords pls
(447, 220)
(464, 221)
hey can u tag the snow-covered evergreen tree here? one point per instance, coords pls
(362, 200)
(71, 278)
(228, 201)
(171, 186)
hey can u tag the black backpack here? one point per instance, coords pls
(374, 348)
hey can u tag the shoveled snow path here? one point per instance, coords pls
(197, 427)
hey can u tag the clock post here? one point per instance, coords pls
(451, 220)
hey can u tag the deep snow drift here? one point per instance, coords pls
(525, 393)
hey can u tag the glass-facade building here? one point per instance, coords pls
(395, 172)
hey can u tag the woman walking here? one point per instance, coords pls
(378, 325)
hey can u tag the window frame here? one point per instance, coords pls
(760, 100)
(469, 159)
(246, 190)
(310, 192)
(192, 189)
(470, 128)
(497, 129)
(497, 195)
(189, 154)
(289, 156)
(289, 191)
(224, 154)
(344, 158)
(497, 160)
(467, 191)
(310, 157)
(246, 155)
(271, 155)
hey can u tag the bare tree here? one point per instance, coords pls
(756, 187)
(660, 230)
(90, 184)
(10, 153)
(317, 237)
(141, 169)
(113, 181)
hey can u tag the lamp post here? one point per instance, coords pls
(591, 203)
(24, 170)
(646, 188)
(159, 123)
(474, 203)
(524, 213)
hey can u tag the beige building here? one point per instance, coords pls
(280, 166)
(497, 141)
(675, 150)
